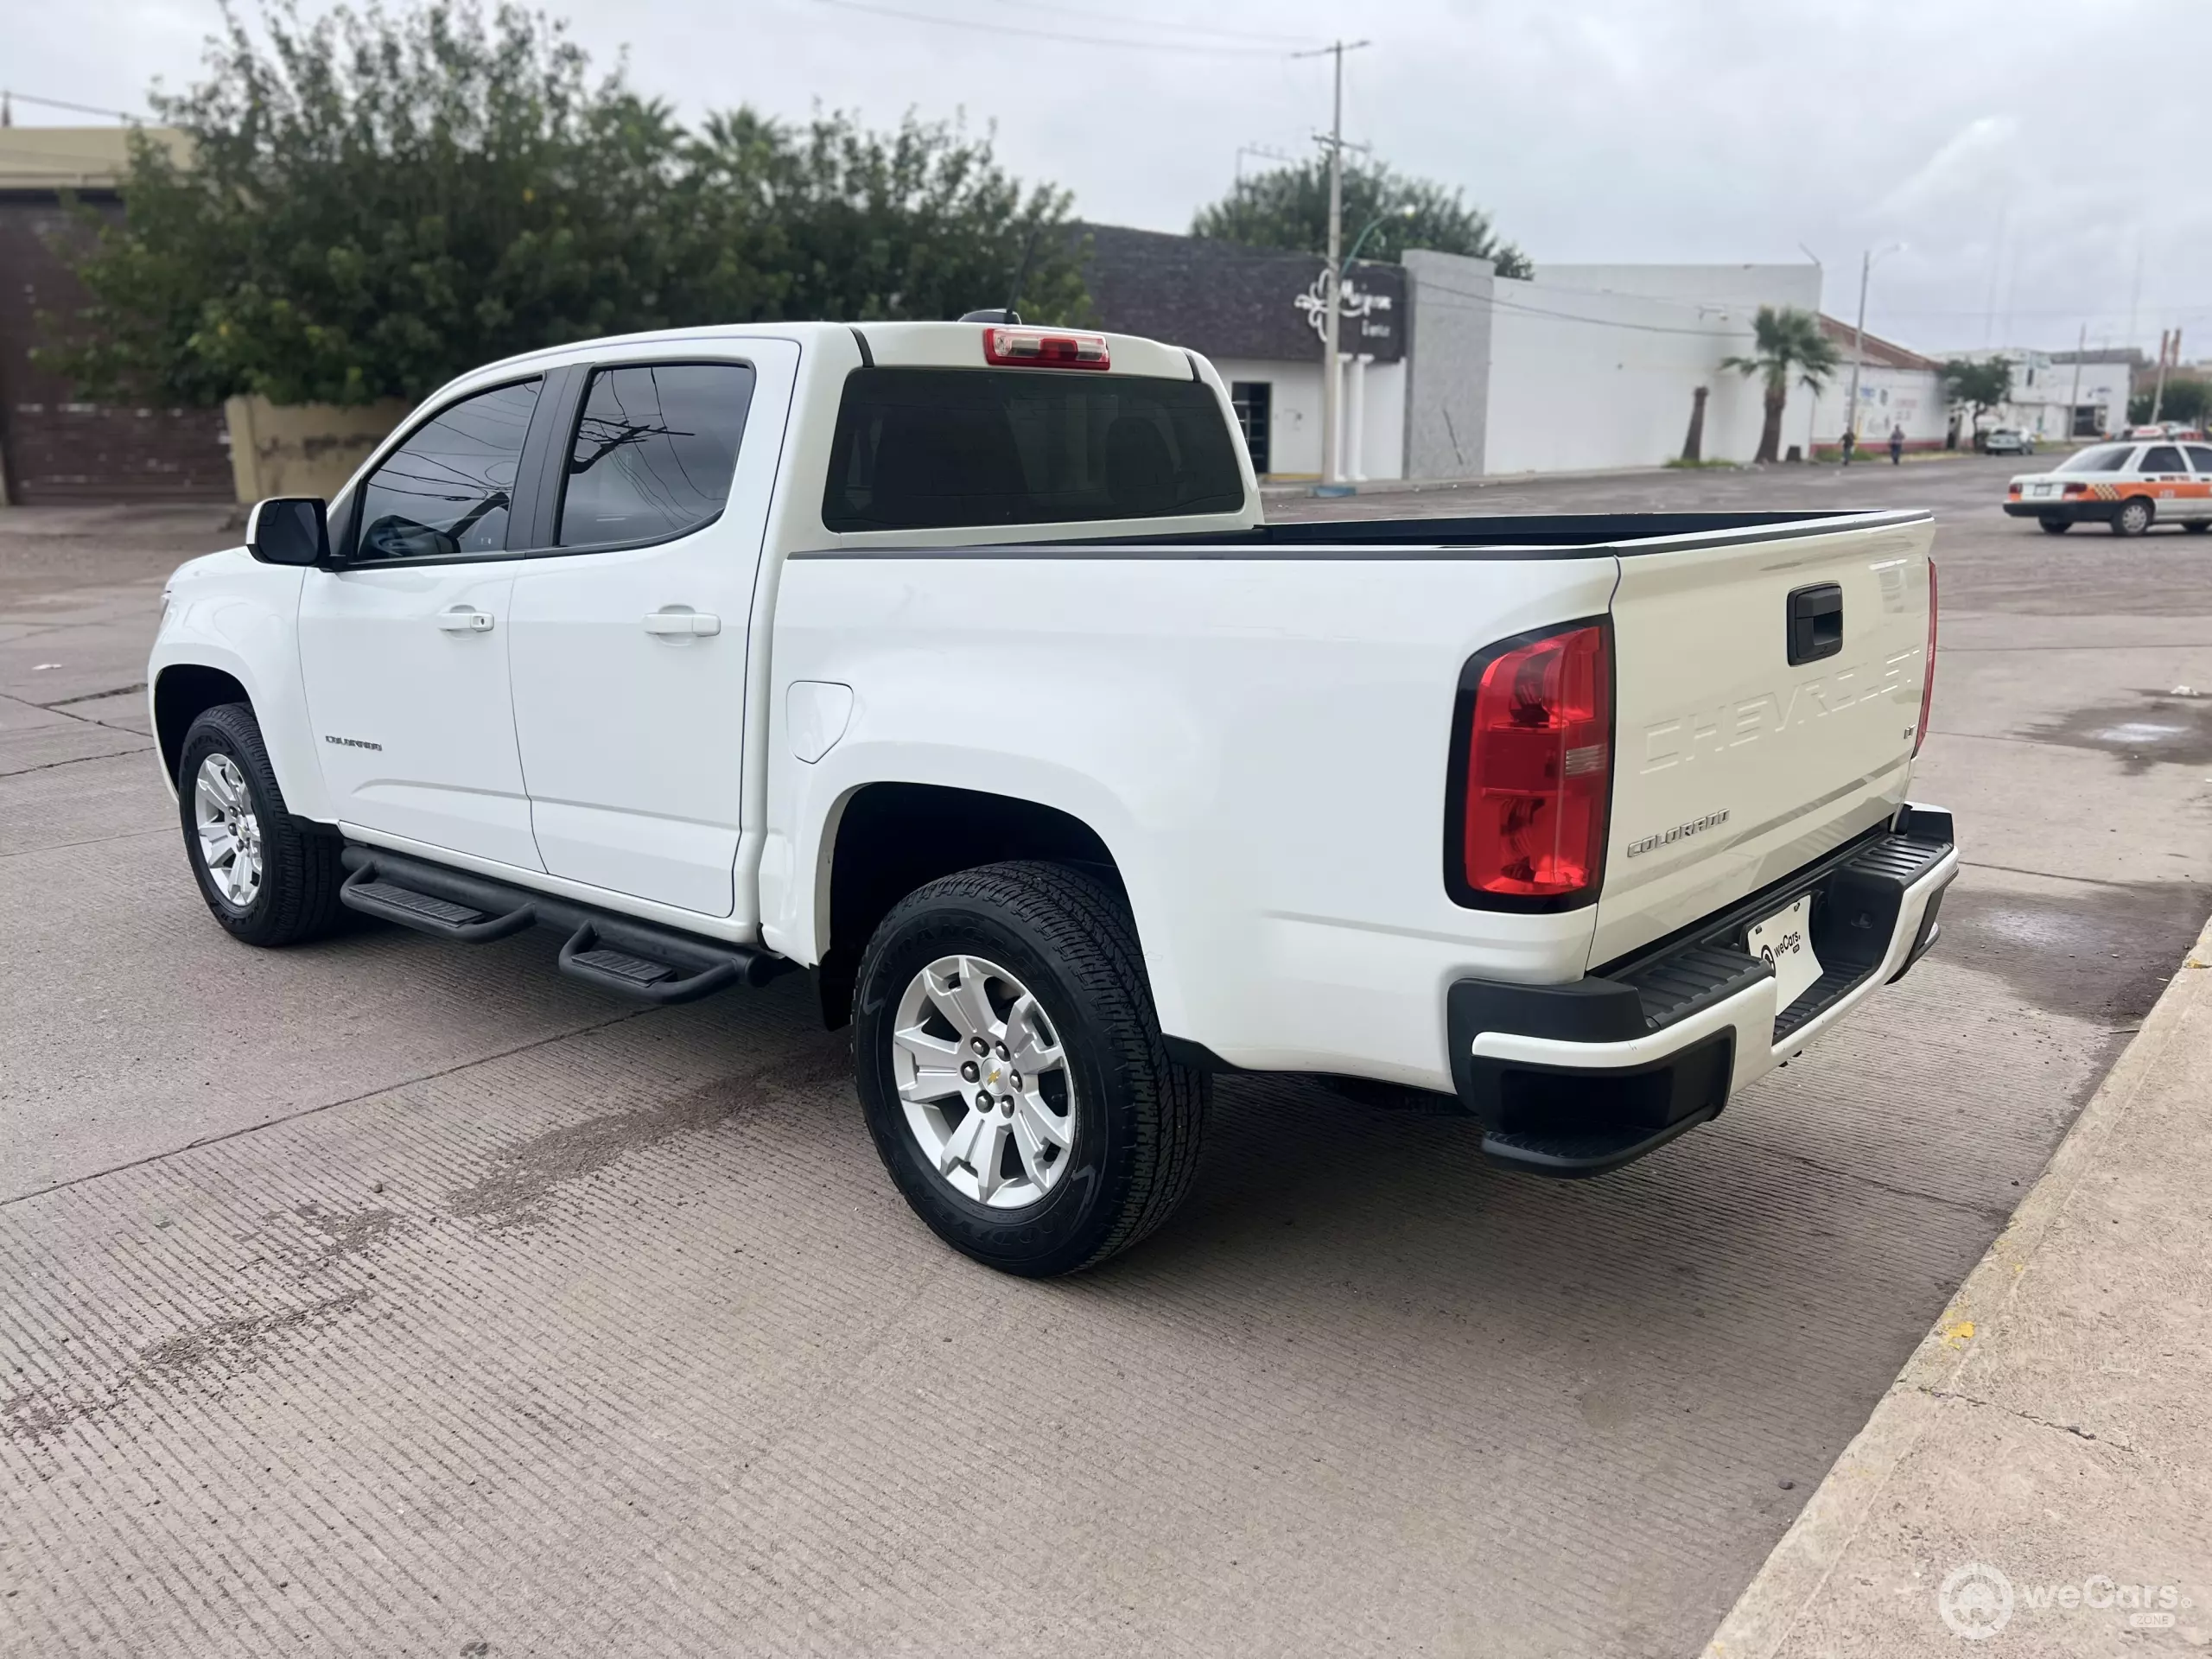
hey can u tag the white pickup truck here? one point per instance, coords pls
(957, 664)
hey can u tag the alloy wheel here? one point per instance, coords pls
(983, 1082)
(229, 832)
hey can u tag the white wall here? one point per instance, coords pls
(1912, 398)
(1295, 444)
(1585, 377)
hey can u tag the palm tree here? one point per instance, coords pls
(1787, 342)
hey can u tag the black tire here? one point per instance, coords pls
(2197, 526)
(2054, 526)
(2133, 517)
(296, 898)
(1137, 1115)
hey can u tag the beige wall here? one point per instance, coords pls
(304, 448)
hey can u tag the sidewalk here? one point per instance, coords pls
(2040, 1474)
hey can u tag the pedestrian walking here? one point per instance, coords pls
(1897, 446)
(1850, 443)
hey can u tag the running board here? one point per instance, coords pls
(633, 958)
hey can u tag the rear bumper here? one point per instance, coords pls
(2074, 512)
(1577, 1079)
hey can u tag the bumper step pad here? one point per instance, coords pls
(1566, 1120)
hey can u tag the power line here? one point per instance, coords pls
(1143, 21)
(1002, 29)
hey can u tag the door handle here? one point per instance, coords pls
(684, 622)
(463, 619)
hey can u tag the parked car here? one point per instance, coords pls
(955, 664)
(2008, 440)
(2128, 485)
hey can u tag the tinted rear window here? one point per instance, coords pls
(929, 448)
(2107, 458)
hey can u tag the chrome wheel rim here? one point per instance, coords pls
(983, 1082)
(230, 833)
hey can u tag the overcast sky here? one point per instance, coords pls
(2037, 158)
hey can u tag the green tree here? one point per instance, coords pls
(918, 222)
(1977, 385)
(1288, 207)
(2186, 401)
(376, 201)
(1786, 344)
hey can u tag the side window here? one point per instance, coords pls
(2161, 458)
(2200, 456)
(654, 452)
(445, 491)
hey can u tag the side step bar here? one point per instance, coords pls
(633, 958)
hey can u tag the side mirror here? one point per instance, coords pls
(288, 529)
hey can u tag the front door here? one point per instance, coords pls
(405, 645)
(629, 637)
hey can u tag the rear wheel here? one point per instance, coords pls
(2054, 526)
(2197, 527)
(2133, 517)
(1013, 1073)
(268, 879)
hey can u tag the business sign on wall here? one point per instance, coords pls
(1367, 322)
(1233, 301)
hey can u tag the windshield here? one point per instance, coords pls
(2104, 458)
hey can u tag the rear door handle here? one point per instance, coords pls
(464, 619)
(681, 621)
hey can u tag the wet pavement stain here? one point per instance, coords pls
(2100, 951)
(512, 1192)
(2174, 726)
(38, 1415)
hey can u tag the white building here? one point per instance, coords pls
(1450, 371)
(1897, 388)
(2062, 395)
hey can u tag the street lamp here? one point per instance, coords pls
(1408, 212)
(1858, 339)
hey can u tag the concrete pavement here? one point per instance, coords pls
(387, 1296)
(2039, 1476)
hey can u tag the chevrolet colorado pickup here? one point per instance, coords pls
(957, 665)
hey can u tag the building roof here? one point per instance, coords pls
(74, 158)
(2128, 354)
(1882, 353)
(1233, 301)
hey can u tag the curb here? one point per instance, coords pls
(1796, 1572)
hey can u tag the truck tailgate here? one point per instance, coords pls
(1742, 753)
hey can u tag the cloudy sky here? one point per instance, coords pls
(2044, 161)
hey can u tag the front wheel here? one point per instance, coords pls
(2054, 526)
(2132, 519)
(268, 879)
(1012, 1072)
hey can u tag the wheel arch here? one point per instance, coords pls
(181, 693)
(885, 839)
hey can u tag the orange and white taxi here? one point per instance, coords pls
(2129, 485)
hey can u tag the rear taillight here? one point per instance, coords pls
(1034, 348)
(1538, 770)
(1927, 674)
(2013, 492)
(2073, 490)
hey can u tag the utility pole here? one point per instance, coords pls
(1332, 278)
(2169, 347)
(2074, 401)
(1859, 337)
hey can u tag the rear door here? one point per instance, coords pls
(629, 639)
(1767, 692)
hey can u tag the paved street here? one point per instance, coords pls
(386, 1296)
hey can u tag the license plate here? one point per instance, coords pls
(2045, 489)
(1785, 939)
